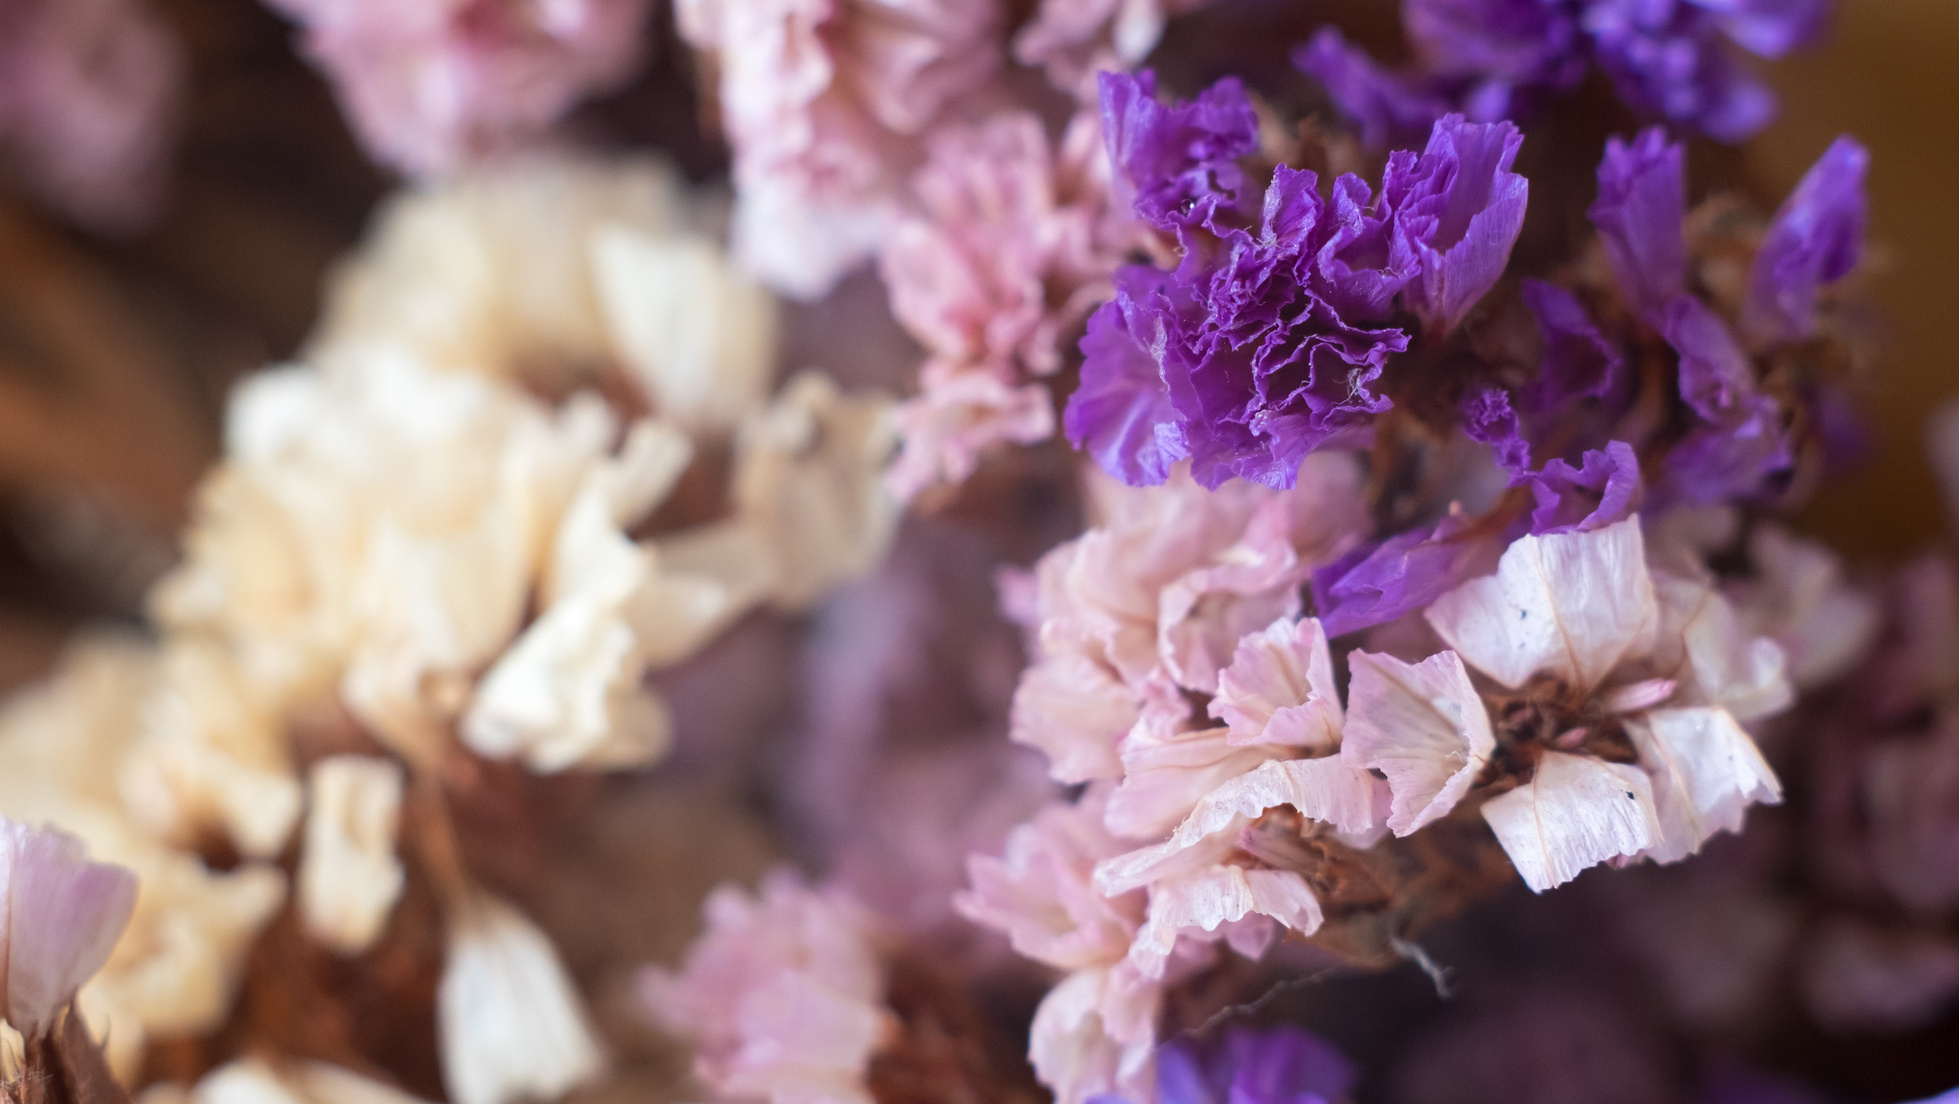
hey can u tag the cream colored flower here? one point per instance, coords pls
(257, 1081)
(349, 877)
(509, 1022)
(809, 480)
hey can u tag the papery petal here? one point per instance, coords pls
(1603, 490)
(1421, 724)
(349, 877)
(1179, 161)
(1327, 789)
(1403, 574)
(1578, 362)
(1574, 813)
(1095, 1033)
(510, 1023)
(1816, 238)
(1075, 712)
(1122, 414)
(1704, 646)
(1206, 899)
(1705, 771)
(1040, 894)
(1165, 775)
(1572, 605)
(1642, 203)
(1280, 689)
(1203, 615)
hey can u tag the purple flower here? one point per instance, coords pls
(1816, 238)
(1668, 61)
(1267, 341)
(1388, 109)
(1278, 1065)
(1578, 362)
(1672, 60)
(1181, 160)
(1122, 414)
(1459, 208)
(1716, 377)
(1642, 201)
(1488, 417)
(1377, 584)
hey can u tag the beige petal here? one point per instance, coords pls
(1705, 772)
(510, 1024)
(1575, 813)
(349, 877)
(1572, 605)
(1421, 724)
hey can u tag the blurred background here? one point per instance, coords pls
(117, 349)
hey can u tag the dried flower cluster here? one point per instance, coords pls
(1298, 563)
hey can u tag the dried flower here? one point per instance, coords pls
(509, 1022)
(349, 877)
(64, 915)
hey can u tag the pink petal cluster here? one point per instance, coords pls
(782, 996)
(1075, 39)
(88, 92)
(435, 84)
(60, 916)
(824, 102)
(1009, 245)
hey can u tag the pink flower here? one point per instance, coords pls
(1074, 39)
(88, 91)
(823, 101)
(783, 995)
(63, 917)
(1008, 247)
(432, 85)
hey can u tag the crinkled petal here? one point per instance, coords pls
(1421, 724)
(1574, 813)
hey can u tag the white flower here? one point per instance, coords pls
(509, 1022)
(349, 877)
(1582, 635)
(257, 1081)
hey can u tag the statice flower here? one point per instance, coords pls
(1011, 243)
(1671, 60)
(1075, 39)
(823, 102)
(431, 87)
(88, 96)
(1270, 338)
(1276, 1065)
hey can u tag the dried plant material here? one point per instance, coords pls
(349, 877)
(1705, 772)
(1279, 689)
(1575, 813)
(696, 331)
(1422, 725)
(809, 478)
(493, 272)
(1569, 604)
(213, 754)
(511, 1025)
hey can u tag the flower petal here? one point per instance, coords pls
(1421, 724)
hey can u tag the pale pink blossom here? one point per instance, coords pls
(1799, 598)
(1094, 1031)
(1573, 618)
(1159, 595)
(782, 996)
(1423, 726)
(433, 85)
(823, 102)
(1074, 39)
(1192, 886)
(88, 94)
(1279, 689)
(62, 916)
(1006, 247)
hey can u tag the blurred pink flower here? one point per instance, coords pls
(433, 84)
(822, 102)
(1074, 39)
(782, 996)
(88, 92)
(63, 915)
